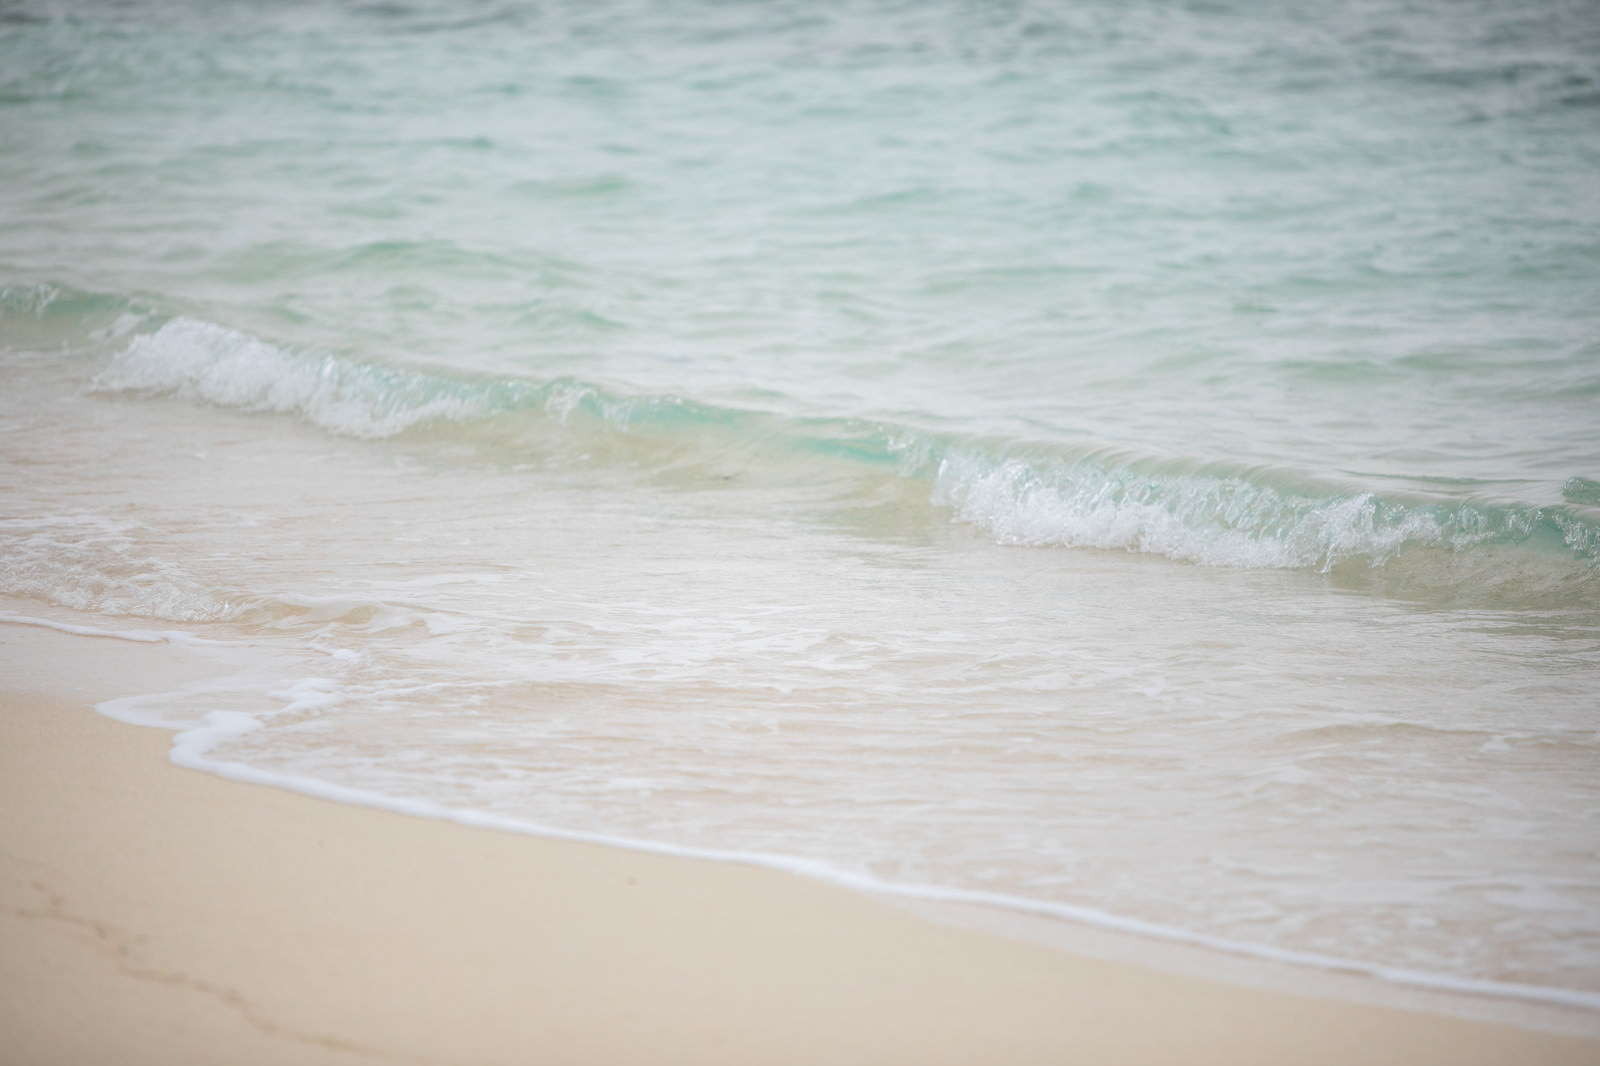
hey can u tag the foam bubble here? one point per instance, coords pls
(95, 563)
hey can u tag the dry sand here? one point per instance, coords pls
(155, 915)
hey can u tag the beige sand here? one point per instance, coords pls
(155, 915)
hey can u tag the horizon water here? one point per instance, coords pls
(1137, 463)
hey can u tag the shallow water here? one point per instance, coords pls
(1138, 462)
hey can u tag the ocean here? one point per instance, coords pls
(1131, 462)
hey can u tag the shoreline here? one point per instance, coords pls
(155, 914)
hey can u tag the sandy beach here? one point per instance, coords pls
(158, 915)
(843, 534)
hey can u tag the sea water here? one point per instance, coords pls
(1138, 462)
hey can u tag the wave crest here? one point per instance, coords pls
(1040, 495)
(1239, 519)
(200, 361)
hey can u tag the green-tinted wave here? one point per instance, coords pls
(1037, 494)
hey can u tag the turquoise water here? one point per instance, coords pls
(1137, 460)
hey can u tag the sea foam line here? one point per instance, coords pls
(192, 744)
(139, 636)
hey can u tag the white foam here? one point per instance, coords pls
(1206, 519)
(96, 564)
(140, 636)
(202, 361)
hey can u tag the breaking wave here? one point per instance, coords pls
(1036, 494)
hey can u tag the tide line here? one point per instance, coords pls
(191, 747)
